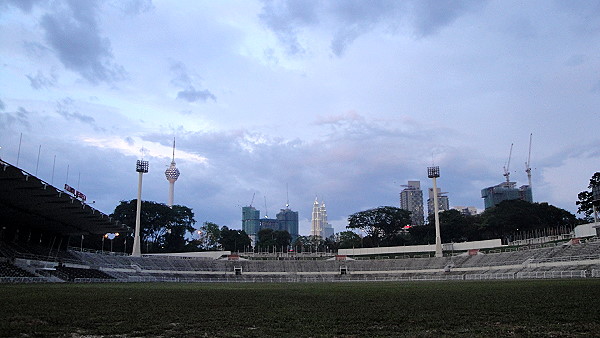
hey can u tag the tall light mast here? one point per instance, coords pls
(507, 166)
(141, 167)
(434, 173)
(172, 174)
(528, 163)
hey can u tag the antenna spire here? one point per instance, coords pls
(173, 150)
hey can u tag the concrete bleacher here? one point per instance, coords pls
(520, 262)
(579, 259)
(10, 270)
(73, 273)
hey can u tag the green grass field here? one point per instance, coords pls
(508, 308)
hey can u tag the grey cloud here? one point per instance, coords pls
(184, 80)
(351, 19)
(285, 18)
(24, 5)
(65, 107)
(21, 116)
(432, 15)
(74, 35)
(35, 49)
(133, 7)
(587, 11)
(129, 141)
(360, 154)
(192, 95)
(2, 105)
(40, 81)
(355, 19)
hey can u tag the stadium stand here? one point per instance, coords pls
(34, 248)
(580, 260)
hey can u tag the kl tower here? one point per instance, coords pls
(172, 174)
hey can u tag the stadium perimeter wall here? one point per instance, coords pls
(464, 246)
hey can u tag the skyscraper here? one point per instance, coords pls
(492, 196)
(319, 225)
(288, 221)
(251, 222)
(172, 174)
(443, 202)
(411, 199)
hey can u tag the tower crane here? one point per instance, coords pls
(528, 163)
(507, 166)
(266, 211)
(253, 194)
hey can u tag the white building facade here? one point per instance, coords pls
(319, 225)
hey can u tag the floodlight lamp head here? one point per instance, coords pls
(141, 166)
(433, 172)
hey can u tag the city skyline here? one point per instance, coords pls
(346, 100)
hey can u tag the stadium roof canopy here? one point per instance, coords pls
(28, 201)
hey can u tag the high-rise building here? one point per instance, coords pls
(288, 220)
(443, 202)
(319, 225)
(505, 191)
(251, 222)
(468, 211)
(172, 174)
(411, 199)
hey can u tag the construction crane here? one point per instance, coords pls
(266, 211)
(528, 163)
(253, 194)
(507, 166)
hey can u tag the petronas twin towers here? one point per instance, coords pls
(319, 225)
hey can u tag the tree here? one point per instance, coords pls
(234, 240)
(384, 225)
(277, 239)
(301, 244)
(348, 240)
(454, 227)
(210, 235)
(585, 198)
(162, 228)
(511, 217)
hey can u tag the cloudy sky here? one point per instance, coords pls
(344, 100)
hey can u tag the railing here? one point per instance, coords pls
(551, 274)
(487, 276)
(102, 252)
(23, 280)
(565, 258)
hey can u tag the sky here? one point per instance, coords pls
(344, 101)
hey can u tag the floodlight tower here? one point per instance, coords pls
(434, 173)
(141, 167)
(172, 174)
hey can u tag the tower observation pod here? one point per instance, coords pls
(434, 173)
(172, 174)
